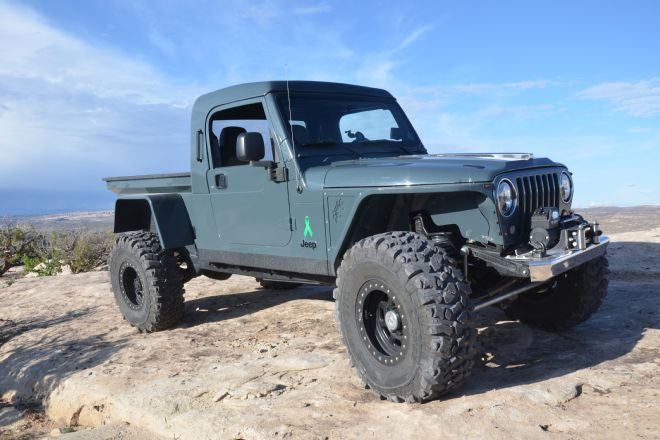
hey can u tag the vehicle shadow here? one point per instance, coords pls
(514, 354)
(510, 353)
(229, 306)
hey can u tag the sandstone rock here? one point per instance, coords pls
(206, 378)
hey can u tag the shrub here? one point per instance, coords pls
(16, 244)
(89, 251)
(46, 260)
(42, 267)
(81, 251)
(30, 263)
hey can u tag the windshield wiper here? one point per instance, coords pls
(318, 144)
(390, 142)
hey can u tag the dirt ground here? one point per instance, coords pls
(250, 363)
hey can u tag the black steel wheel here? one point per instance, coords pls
(131, 286)
(381, 320)
(404, 316)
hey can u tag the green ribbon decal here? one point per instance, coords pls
(308, 227)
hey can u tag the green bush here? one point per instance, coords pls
(30, 263)
(16, 244)
(42, 267)
(82, 251)
(90, 251)
(46, 261)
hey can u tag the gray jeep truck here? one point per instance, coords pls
(314, 182)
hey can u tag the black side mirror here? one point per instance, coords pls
(250, 147)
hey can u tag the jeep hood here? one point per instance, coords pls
(421, 169)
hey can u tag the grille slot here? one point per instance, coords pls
(536, 191)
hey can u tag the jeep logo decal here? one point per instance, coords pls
(308, 244)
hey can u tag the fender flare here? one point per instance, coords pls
(165, 214)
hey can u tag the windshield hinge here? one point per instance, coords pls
(278, 174)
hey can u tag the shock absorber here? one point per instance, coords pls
(441, 239)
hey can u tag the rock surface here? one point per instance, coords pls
(10, 417)
(251, 363)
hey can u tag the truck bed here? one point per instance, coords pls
(150, 183)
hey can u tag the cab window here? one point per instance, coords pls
(227, 125)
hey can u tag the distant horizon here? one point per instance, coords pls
(18, 203)
(111, 210)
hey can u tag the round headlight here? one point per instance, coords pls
(506, 197)
(566, 187)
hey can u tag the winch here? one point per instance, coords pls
(544, 229)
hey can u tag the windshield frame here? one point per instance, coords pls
(338, 151)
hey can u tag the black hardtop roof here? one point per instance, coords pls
(251, 90)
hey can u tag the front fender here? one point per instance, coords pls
(353, 214)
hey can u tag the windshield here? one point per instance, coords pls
(348, 126)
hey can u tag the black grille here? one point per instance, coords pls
(536, 191)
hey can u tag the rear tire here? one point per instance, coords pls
(404, 317)
(277, 285)
(576, 295)
(146, 281)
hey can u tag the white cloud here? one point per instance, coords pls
(485, 88)
(641, 98)
(434, 108)
(162, 42)
(375, 73)
(518, 112)
(263, 13)
(480, 88)
(376, 68)
(33, 50)
(312, 9)
(640, 130)
(412, 37)
(73, 112)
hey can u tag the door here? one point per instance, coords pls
(249, 208)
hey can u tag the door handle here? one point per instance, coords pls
(220, 181)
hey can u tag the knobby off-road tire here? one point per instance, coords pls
(576, 295)
(146, 281)
(403, 274)
(277, 285)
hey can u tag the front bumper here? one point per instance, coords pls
(544, 268)
(579, 243)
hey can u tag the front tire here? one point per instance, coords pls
(146, 281)
(574, 297)
(404, 316)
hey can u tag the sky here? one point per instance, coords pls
(90, 89)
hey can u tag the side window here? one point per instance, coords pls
(226, 125)
(377, 124)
